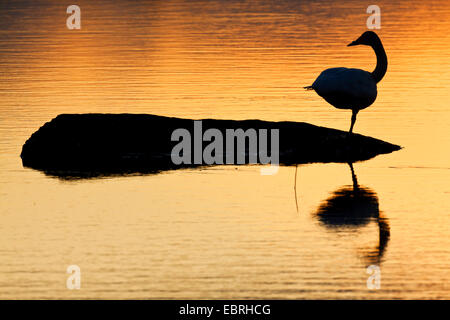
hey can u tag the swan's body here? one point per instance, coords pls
(353, 89)
(346, 88)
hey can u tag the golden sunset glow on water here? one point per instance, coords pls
(225, 231)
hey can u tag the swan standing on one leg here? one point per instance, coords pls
(353, 89)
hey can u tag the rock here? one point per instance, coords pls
(86, 145)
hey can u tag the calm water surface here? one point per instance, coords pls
(225, 232)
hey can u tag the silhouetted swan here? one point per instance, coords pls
(353, 207)
(353, 89)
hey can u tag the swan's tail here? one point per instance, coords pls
(308, 88)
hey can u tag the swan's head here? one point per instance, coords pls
(368, 38)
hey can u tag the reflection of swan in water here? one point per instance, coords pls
(353, 207)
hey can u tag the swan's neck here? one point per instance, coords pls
(382, 62)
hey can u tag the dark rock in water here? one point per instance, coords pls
(84, 145)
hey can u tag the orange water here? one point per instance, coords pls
(224, 232)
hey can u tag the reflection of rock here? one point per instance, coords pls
(86, 145)
(353, 207)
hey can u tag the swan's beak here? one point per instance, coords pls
(354, 43)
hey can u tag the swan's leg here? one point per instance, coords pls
(354, 113)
